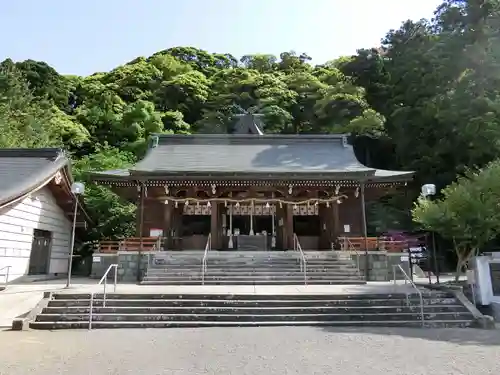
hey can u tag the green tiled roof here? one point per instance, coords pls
(246, 155)
(22, 170)
(250, 154)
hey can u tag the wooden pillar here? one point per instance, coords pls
(141, 216)
(220, 230)
(138, 224)
(289, 226)
(280, 227)
(336, 220)
(365, 230)
(214, 226)
(141, 228)
(167, 223)
(177, 226)
(327, 226)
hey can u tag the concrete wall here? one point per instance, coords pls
(128, 266)
(381, 265)
(17, 223)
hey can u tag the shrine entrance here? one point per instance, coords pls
(252, 227)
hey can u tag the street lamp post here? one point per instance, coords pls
(77, 188)
(428, 191)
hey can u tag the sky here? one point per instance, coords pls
(84, 37)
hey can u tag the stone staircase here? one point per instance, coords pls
(251, 268)
(215, 310)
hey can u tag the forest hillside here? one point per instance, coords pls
(426, 99)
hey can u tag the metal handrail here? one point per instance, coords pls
(358, 254)
(303, 263)
(6, 274)
(156, 247)
(105, 280)
(208, 247)
(408, 279)
(158, 243)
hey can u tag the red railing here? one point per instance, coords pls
(373, 244)
(129, 244)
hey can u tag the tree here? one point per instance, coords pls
(426, 99)
(468, 212)
(30, 121)
(115, 217)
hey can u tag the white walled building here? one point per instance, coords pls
(36, 212)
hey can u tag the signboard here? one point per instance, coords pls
(96, 259)
(155, 232)
(347, 228)
(418, 253)
(405, 258)
(495, 278)
(471, 277)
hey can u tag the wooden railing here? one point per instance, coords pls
(129, 244)
(373, 244)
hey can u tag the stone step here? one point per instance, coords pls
(156, 310)
(253, 264)
(215, 303)
(239, 277)
(246, 265)
(251, 269)
(254, 282)
(253, 310)
(252, 254)
(225, 258)
(311, 275)
(454, 323)
(230, 317)
(252, 297)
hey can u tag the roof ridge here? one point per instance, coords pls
(252, 136)
(47, 153)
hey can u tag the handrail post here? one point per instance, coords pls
(104, 295)
(7, 268)
(116, 277)
(91, 308)
(351, 247)
(303, 262)
(208, 247)
(421, 298)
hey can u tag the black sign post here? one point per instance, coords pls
(410, 259)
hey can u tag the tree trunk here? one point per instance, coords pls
(458, 270)
(462, 260)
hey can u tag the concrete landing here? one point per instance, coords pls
(246, 289)
(20, 299)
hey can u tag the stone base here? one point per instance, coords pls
(131, 268)
(131, 265)
(381, 265)
(495, 307)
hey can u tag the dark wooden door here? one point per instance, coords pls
(40, 252)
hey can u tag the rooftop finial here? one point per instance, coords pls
(154, 141)
(249, 121)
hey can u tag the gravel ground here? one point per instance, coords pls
(242, 351)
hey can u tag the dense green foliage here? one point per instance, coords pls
(426, 100)
(467, 213)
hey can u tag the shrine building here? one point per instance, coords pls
(251, 191)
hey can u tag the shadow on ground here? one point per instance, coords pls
(460, 336)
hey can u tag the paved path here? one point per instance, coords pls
(251, 351)
(19, 299)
